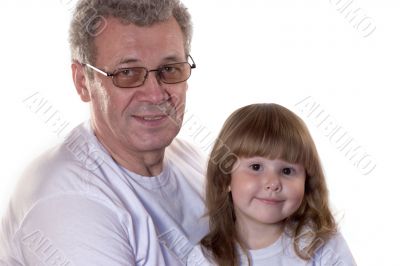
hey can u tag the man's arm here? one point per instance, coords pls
(79, 230)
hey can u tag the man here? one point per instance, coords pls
(119, 190)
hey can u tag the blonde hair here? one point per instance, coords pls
(271, 131)
(89, 20)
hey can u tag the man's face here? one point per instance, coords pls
(145, 118)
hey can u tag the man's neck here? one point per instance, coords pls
(148, 163)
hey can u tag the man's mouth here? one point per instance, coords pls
(151, 120)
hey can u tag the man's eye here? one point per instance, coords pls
(169, 69)
(128, 72)
(255, 167)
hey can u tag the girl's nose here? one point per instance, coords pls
(273, 183)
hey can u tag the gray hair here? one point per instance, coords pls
(89, 20)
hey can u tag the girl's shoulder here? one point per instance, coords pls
(199, 257)
(331, 251)
(334, 251)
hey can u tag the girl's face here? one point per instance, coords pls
(264, 191)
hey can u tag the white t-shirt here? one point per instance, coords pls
(76, 206)
(333, 253)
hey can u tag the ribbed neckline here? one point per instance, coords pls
(151, 182)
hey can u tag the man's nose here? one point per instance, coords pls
(153, 88)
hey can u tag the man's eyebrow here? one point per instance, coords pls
(127, 60)
(173, 58)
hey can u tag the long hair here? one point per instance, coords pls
(271, 131)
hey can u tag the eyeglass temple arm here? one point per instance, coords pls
(98, 70)
(193, 65)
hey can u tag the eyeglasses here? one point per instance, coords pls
(133, 77)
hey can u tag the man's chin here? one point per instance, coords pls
(156, 143)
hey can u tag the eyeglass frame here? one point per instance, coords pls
(157, 70)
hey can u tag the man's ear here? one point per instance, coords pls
(79, 77)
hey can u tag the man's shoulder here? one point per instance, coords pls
(73, 153)
(63, 168)
(185, 149)
(185, 156)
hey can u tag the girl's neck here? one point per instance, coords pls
(259, 236)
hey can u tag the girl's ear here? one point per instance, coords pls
(229, 188)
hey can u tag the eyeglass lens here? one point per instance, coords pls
(136, 76)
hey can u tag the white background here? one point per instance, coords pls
(246, 51)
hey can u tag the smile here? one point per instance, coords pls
(270, 201)
(152, 118)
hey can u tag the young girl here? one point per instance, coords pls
(266, 195)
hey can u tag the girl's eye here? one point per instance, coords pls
(255, 167)
(287, 171)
